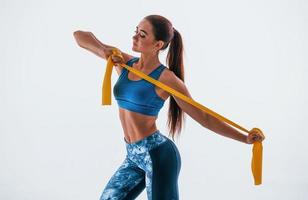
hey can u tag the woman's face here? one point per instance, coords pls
(143, 40)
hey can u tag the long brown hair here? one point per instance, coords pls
(164, 30)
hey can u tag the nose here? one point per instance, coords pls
(135, 37)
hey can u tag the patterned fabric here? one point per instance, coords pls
(153, 163)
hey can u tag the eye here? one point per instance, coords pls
(140, 35)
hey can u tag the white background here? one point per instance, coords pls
(243, 59)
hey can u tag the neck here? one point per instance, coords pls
(148, 61)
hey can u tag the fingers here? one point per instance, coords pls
(256, 136)
(116, 59)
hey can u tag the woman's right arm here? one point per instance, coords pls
(88, 41)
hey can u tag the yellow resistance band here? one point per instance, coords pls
(257, 150)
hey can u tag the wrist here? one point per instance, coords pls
(244, 139)
(106, 51)
(102, 52)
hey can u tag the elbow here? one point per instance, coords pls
(213, 122)
(207, 120)
(80, 35)
(76, 34)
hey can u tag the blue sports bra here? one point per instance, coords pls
(138, 95)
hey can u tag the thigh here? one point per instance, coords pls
(166, 165)
(126, 183)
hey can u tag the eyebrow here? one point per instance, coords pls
(142, 30)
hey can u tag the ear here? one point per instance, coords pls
(159, 44)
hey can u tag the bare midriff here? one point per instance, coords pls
(136, 126)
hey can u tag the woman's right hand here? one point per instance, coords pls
(115, 59)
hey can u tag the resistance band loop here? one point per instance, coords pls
(257, 150)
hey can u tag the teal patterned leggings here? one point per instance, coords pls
(153, 162)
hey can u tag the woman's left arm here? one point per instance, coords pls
(203, 118)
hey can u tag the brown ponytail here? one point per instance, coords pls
(175, 63)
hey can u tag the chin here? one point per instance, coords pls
(134, 49)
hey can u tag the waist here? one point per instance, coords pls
(145, 144)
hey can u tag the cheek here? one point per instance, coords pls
(146, 43)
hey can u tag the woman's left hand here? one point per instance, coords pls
(254, 136)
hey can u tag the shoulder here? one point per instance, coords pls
(131, 60)
(127, 57)
(128, 60)
(168, 76)
(170, 79)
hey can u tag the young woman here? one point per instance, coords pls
(153, 160)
